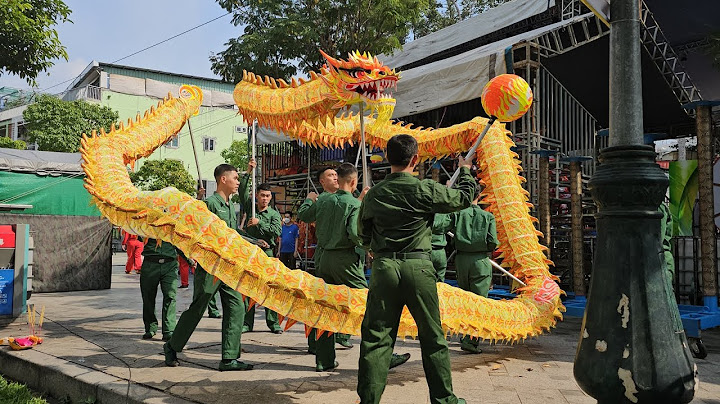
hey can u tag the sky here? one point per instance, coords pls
(107, 30)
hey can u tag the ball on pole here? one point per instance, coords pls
(507, 97)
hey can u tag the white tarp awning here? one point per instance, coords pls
(449, 81)
(464, 31)
(269, 136)
(458, 78)
(40, 162)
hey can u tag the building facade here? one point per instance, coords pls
(131, 91)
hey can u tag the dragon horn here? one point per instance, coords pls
(334, 62)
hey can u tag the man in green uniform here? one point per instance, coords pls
(336, 216)
(160, 267)
(438, 256)
(206, 285)
(395, 220)
(475, 240)
(308, 213)
(266, 227)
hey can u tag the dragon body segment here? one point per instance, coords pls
(307, 111)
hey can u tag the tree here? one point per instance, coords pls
(28, 43)
(155, 175)
(57, 125)
(237, 154)
(283, 36)
(7, 143)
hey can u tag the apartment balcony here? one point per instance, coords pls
(87, 93)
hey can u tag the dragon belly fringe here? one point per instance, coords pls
(175, 217)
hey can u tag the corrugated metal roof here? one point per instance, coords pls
(173, 78)
(12, 113)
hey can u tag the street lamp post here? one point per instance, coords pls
(630, 349)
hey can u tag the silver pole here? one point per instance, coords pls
(472, 150)
(503, 270)
(197, 164)
(366, 172)
(254, 144)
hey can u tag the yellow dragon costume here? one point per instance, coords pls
(310, 111)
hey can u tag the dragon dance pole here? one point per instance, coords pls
(366, 173)
(254, 144)
(197, 164)
(506, 272)
(472, 150)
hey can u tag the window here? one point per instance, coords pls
(172, 143)
(21, 132)
(208, 143)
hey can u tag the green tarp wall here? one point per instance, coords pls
(49, 195)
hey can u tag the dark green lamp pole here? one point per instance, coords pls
(631, 349)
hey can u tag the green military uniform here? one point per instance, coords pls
(308, 213)
(205, 286)
(395, 223)
(160, 267)
(475, 240)
(335, 216)
(268, 229)
(438, 256)
(213, 310)
(669, 261)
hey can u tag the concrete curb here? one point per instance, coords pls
(62, 379)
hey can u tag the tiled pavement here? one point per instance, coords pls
(95, 337)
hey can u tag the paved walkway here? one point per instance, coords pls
(93, 347)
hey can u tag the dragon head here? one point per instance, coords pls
(362, 78)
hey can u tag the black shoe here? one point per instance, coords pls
(319, 368)
(170, 356)
(234, 365)
(398, 360)
(166, 337)
(345, 343)
(148, 335)
(183, 286)
(470, 348)
(276, 331)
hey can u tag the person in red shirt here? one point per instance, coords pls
(184, 272)
(134, 248)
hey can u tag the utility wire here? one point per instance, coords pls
(147, 48)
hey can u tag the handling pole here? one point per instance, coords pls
(472, 150)
(366, 172)
(197, 164)
(253, 146)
